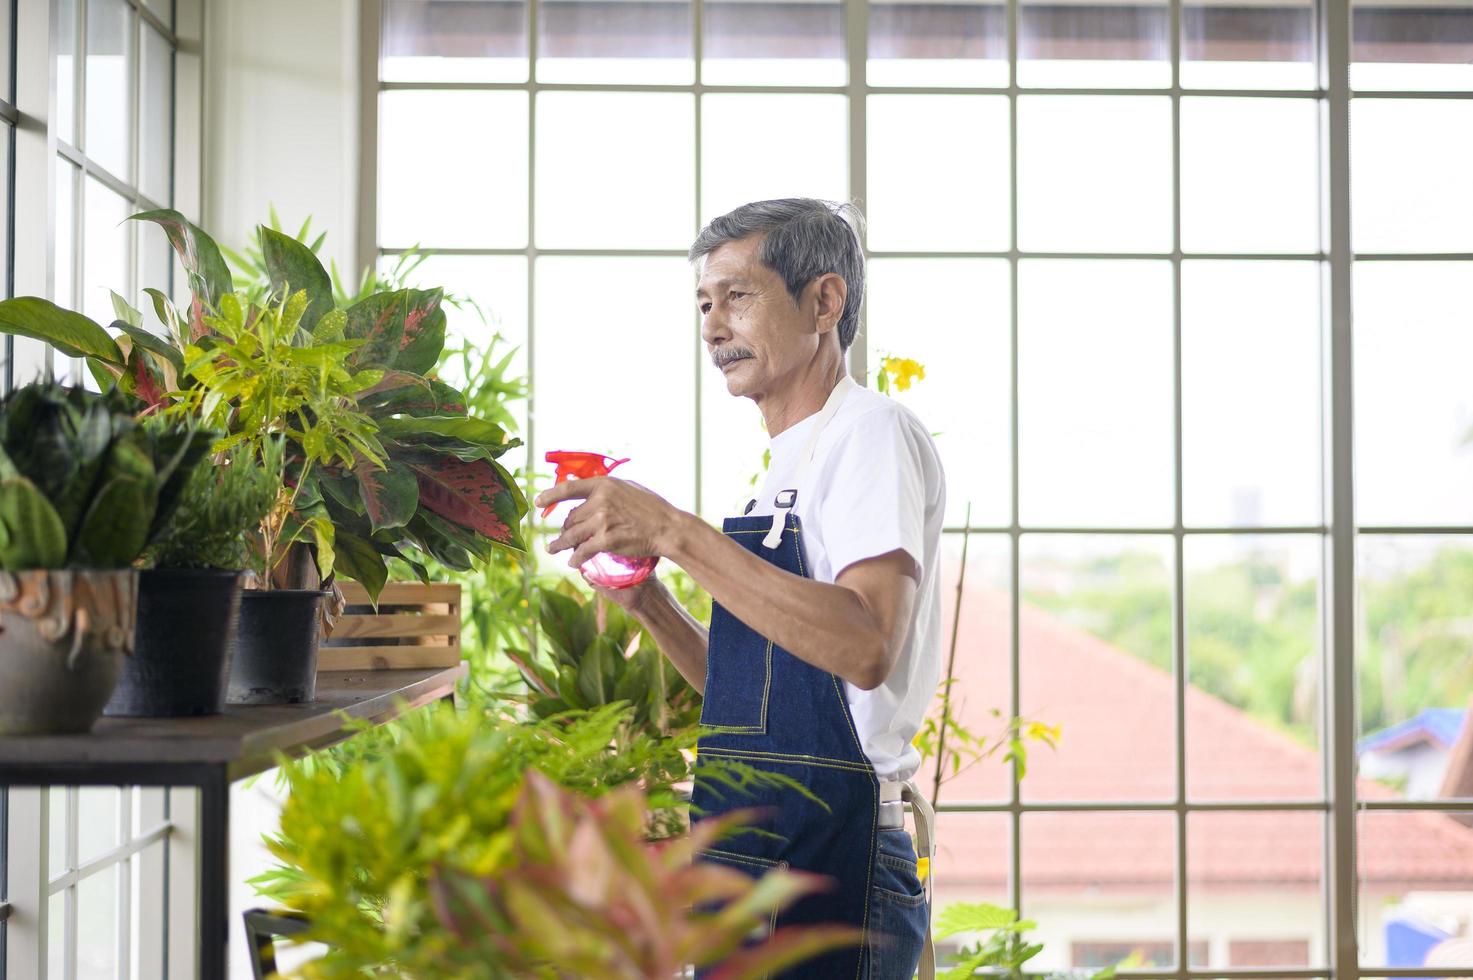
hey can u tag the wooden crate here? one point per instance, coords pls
(416, 626)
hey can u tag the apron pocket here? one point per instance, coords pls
(756, 867)
(738, 677)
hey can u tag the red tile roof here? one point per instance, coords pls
(1117, 714)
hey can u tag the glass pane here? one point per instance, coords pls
(938, 43)
(1416, 889)
(1106, 880)
(104, 252)
(155, 269)
(97, 925)
(1250, 175)
(66, 70)
(1121, 202)
(736, 169)
(637, 41)
(1095, 418)
(615, 200)
(783, 42)
(1250, 453)
(109, 57)
(486, 298)
(156, 105)
(98, 813)
(960, 144)
(1415, 676)
(1095, 660)
(1253, 641)
(973, 863)
(965, 350)
(1409, 161)
(1256, 879)
(982, 667)
(1416, 45)
(1097, 45)
(453, 169)
(463, 41)
(1414, 409)
(625, 384)
(1234, 45)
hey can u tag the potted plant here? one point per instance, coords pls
(83, 488)
(189, 595)
(291, 407)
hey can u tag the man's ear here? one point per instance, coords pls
(827, 295)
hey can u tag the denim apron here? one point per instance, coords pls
(769, 710)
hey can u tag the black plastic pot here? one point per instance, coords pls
(275, 659)
(181, 645)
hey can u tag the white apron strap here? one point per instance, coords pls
(925, 819)
(779, 515)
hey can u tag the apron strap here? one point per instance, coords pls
(774, 535)
(925, 819)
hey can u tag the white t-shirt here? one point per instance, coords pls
(875, 485)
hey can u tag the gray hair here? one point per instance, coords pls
(803, 238)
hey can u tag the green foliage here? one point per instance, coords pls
(1414, 653)
(382, 457)
(585, 895)
(1003, 949)
(600, 655)
(82, 483)
(220, 506)
(365, 825)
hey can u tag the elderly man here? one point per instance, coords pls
(823, 651)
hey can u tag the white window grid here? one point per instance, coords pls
(151, 856)
(1338, 532)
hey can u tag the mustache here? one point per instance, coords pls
(723, 356)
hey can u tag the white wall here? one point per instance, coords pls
(281, 118)
(280, 127)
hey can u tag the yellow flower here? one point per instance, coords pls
(1045, 733)
(903, 371)
(923, 867)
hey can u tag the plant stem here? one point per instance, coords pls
(956, 622)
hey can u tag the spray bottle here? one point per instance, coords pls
(608, 570)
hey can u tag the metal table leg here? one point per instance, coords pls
(214, 873)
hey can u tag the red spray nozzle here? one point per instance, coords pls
(580, 466)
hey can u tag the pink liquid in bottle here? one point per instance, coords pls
(604, 569)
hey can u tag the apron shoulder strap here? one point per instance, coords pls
(836, 397)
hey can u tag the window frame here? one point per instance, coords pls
(1337, 530)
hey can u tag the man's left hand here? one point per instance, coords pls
(616, 516)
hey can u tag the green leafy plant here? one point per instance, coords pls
(220, 506)
(82, 482)
(402, 469)
(364, 824)
(1003, 949)
(585, 895)
(601, 655)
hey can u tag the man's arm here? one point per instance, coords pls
(678, 634)
(853, 628)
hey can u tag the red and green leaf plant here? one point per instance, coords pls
(586, 895)
(421, 479)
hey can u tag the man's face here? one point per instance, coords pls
(756, 335)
